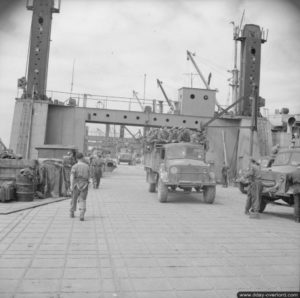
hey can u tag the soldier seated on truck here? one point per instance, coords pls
(152, 136)
(173, 135)
(274, 152)
(184, 135)
(163, 135)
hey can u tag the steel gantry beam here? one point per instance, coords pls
(150, 119)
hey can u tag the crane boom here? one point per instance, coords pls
(190, 56)
(2, 146)
(139, 101)
(130, 133)
(221, 113)
(159, 83)
(209, 79)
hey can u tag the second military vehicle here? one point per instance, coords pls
(275, 179)
(126, 155)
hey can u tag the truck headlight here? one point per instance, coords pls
(212, 175)
(173, 170)
(163, 175)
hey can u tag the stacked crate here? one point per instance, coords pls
(9, 169)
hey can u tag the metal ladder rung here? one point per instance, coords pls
(24, 128)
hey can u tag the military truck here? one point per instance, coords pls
(126, 155)
(275, 180)
(175, 166)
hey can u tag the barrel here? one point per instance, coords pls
(25, 188)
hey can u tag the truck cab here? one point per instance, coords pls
(176, 166)
(127, 156)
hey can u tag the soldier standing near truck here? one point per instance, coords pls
(254, 191)
(224, 171)
(294, 180)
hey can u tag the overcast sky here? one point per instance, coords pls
(115, 43)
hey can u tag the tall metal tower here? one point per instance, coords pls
(39, 46)
(251, 39)
(30, 114)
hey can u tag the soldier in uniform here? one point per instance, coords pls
(96, 165)
(225, 174)
(184, 135)
(80, 175)
(152, 136)
(294, 180)
(254, 191)
(274, 152)
(163, 135)
(202, 135)
(68, 161)
(173, 135)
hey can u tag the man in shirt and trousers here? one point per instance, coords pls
(97, 164)
(225, 169)
(68, 161)
(254, 191)
(79, 182)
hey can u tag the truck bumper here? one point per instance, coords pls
(276, 195)
(190, 183)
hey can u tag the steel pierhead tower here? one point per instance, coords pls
(251, 39)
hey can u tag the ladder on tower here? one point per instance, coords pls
(25, 128)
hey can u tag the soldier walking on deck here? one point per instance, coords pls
(80, 175)
(254, 191)
(97, 164)
(68, 161)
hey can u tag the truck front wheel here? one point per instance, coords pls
(297, 207)
(162, 192)
(243, 188)
(209, 194)
(152, 187)
(263, 204)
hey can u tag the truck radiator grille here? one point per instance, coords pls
(192, 177)
(190, 174)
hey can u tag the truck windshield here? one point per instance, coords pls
(282, 158)
(295, 158)
(285, 158)
(184, 152)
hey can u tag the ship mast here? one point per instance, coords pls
(235, 72)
